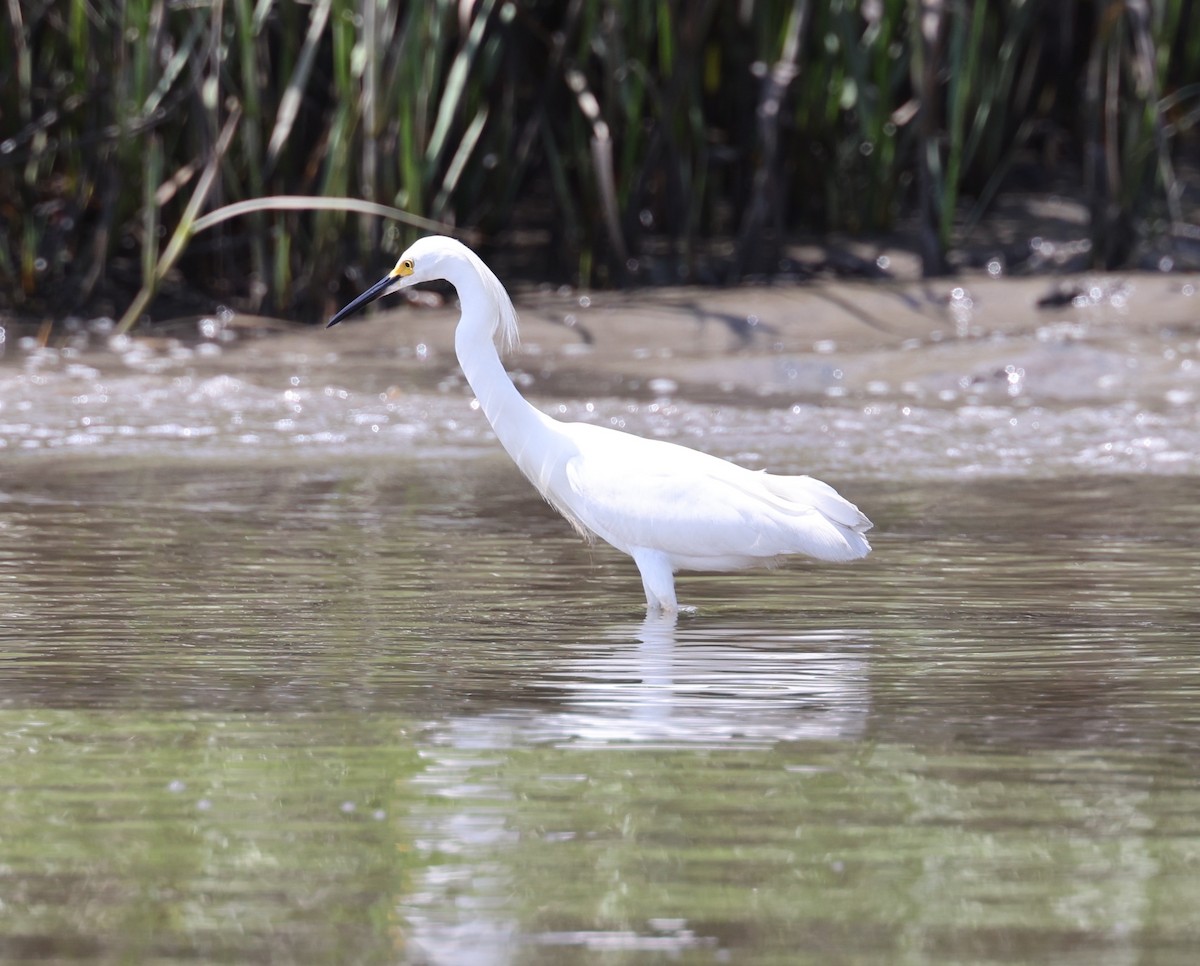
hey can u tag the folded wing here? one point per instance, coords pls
(703, 512)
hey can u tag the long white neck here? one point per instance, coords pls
(522, 430)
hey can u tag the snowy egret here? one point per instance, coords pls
(669, 507)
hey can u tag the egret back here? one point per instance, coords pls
(703, 512)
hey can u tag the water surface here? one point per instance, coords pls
(294, 667)
(381, 713)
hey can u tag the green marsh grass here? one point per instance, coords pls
(616, 142)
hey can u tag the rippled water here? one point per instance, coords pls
(399, 713)
(295, 667)
(843, 382)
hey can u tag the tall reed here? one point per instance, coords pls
(619, 140)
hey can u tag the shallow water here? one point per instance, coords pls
(843, 381)
(317, 677)
(380, 713)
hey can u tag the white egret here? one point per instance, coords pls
(669, 507)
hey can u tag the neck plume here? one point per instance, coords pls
(486, 309)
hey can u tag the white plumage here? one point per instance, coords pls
(669, 507)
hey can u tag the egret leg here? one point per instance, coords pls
(658, 580)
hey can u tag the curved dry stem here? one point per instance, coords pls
(313, 203)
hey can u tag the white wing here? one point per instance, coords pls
(703, 512)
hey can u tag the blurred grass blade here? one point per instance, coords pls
(602, 161)
(184, 230)
(322, 203)
(606, 183)
(458, 163)
(24, 61)
(261, 12)
(150, 210)
(173, 69)
(457, 83)
(289, 104)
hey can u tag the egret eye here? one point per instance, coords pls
(406, 266)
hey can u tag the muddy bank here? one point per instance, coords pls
(990, 376)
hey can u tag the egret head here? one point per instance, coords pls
(425, 260)
(439, 257)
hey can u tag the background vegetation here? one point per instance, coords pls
(614, 141)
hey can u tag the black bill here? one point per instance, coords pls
(382, 287)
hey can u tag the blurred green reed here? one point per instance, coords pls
(596, 141)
